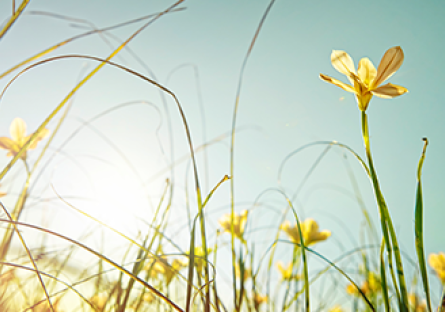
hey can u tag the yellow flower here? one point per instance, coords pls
(19, 138)
(162, 267)
(258, 300)
(99, 300)
(417, 305)
(239, 223)
(149, 297)
(309, 228)
(286, 273)
(170, 271)
(367, 81)
(200, 258)
(369, 287)
(336, 308)
(2, 194)
(437, 262)
(247, 272)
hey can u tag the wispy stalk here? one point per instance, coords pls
(232, 145)
(14, 17)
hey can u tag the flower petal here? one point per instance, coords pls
(338, 83)
(44, 133)
(389, 91)
(342, 62)
(366, 71)
(6, 143)
(390, 63)
(18, 130)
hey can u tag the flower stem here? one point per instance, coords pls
(386, 224)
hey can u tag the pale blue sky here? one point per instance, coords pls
(283, 106)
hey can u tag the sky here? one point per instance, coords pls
(116, 168)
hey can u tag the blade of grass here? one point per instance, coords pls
(68, 286)
(332, 264)
(418, 228)
(232, 144)
(76, 88)
(13, 18)
(100, 256)
(383, 278)
(442, 304)
(62, 43)
(192, 247)
(31, 258)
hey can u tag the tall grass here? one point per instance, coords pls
(157, 270)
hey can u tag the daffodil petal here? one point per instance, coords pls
(43, 134)
(390, 63)
(366, 71)
(7, 143)
(18, 130)
(389, 91)
(338, 83)
(342, 62)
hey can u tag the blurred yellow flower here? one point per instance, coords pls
(161, 266)
(258, 300)
(367, 81)
(416, 304)
(19, 138)
(336, 308)
(369, 287)
(437, 262)
(286, 272)
(309, 228)
(239, 223)
(2, 193)
(200, 258)
(149, 297)
(99, 301)
(247, 272)
(172, 270)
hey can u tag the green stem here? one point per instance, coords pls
(386, 223)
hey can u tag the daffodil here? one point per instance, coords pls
(239, 223)
(286, 272)
(416, 304)
(336, 308)
(258, 300)
(367, 81)
(247, 272)
(309, 229)
(99, 300)
(149, 297)
(19, 138)
(161, 267)
(170, 271)
(200, 260)
(437, 262)
(369, 287)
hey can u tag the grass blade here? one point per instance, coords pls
(14, 17)
(418, 228)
